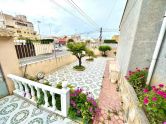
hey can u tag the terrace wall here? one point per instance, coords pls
(48, 66)
(8, 60)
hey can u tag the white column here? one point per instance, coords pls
(16, 86)
(21, 91)
(38, 92)
(27, 95)
(65, 99)
(32, 93)
(53, 101)
(45, 98)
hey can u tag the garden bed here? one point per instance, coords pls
(152, 99)
(79, 68)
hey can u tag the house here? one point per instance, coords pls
(19, 24)
(140, 31)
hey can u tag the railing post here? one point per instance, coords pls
(53, 101)
(32, 93)
(21, 88)
(65, 99)
(27, 93)
(45, 99)
(38, 92)
(16, 86)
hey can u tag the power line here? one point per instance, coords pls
(88, 17)
(81, 12)
(111, 11)
(66, 10)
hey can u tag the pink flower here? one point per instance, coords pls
(161, 85)
(130, 72)
(154, 99)
(153, 87)
(161, 93)
(73, 103)
(138, 70)
(164, 122)
(78, 111)
(91, 109)
(146, 101)
(145, 90)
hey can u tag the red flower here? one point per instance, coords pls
(161, 85)
(154, 99)
(146, 101)
(145, 90)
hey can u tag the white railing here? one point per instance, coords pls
(26, 88)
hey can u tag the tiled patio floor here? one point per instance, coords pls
(90, 79)
(14, 110)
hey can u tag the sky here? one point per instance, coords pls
(58, 17)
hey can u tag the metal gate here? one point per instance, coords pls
(3, 87)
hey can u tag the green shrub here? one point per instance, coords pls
(104, 49)
(89, 59)
(90, 54)
(110, 41)
(138, 80)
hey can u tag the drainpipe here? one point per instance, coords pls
(157, 49)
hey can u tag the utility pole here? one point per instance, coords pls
(100, 37)
(50, 26)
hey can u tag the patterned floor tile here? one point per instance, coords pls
(90, 79)
(17, 111)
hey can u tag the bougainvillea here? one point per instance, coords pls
(154, 103)
(82, 105)
(137, 79)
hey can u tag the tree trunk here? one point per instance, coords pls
(79, 60)
(104, 53)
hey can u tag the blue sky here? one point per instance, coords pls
(56, 21)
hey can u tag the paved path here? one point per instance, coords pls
(90, 79)
(109, 102)
(14, 110)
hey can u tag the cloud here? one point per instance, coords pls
(61, 22)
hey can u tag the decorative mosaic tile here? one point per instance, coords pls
(17, 111)
(8, 109)
(90, 78)
(19, 117)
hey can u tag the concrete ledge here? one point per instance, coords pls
(133, 113)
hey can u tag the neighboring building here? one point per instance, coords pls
(76, 38)
(19, 24)
(139, 30)
(115, 37)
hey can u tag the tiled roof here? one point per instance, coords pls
(6, 33)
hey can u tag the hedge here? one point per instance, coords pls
(110, 41)
(46, 41)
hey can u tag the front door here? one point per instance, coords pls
(3, 87)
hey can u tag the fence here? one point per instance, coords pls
(24, 50)
(31, 90)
